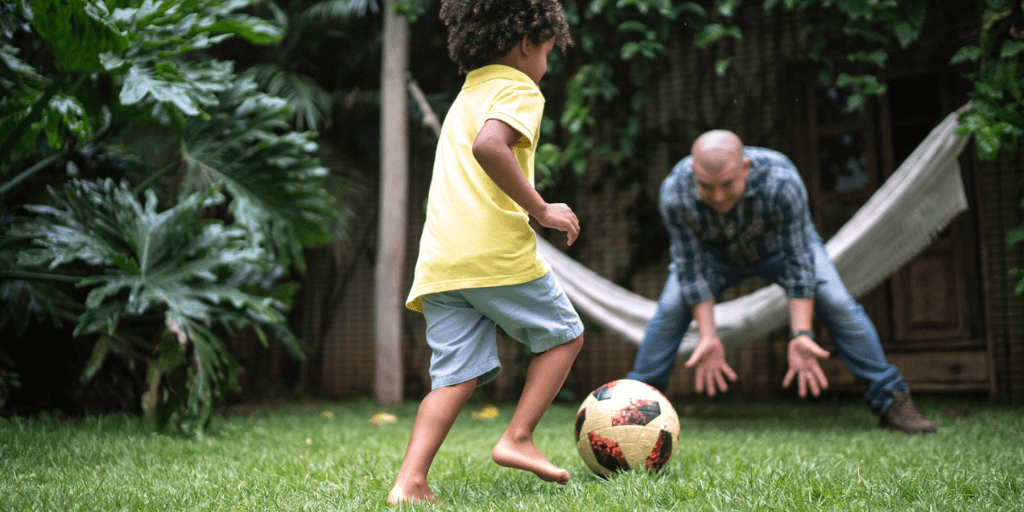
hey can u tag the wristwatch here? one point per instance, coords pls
(807, 332)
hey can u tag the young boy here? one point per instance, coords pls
(478, 266)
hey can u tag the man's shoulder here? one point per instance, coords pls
(681, 171)
(679, 177)
(765, 157)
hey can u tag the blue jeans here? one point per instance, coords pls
(853, 334)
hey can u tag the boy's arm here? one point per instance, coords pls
(492, 148)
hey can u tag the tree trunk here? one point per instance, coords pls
(393, 191)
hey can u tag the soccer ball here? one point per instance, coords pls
(626, 424)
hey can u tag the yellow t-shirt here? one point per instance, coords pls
(475, 235)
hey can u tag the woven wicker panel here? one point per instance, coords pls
(1001, 186)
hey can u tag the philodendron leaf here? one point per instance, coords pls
(140, 82)
(99, 355)
(77, 31)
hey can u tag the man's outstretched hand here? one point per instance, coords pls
(803, 354)
(709, 358)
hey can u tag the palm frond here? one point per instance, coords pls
(339, 10)
(309, 102)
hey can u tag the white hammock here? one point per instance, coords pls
(898, 222)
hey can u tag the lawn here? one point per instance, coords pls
(325, 456)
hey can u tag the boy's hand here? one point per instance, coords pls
(559, 216)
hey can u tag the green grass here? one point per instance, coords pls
(733, 456)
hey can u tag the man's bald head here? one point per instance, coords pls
(715, 149)
(719, 169)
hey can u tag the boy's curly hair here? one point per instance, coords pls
(480, 31)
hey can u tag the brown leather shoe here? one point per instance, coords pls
(904, 416)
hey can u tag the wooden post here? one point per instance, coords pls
(389, 296)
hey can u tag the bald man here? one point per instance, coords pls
(733, 212)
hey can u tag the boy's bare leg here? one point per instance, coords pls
(434, 418)
(544, 378)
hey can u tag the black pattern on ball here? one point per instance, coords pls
(608, 453)
(580, 418)
(640, 411)
(661, 453)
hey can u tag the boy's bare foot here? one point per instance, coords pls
(526, 456)
(412, 494)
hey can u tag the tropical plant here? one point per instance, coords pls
(996, 116)
(166, 186)
(287, 72)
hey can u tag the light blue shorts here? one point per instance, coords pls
(461, 326)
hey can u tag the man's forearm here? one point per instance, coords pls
(704, 314)
(801, 314)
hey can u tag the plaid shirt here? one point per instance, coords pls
(770, 219)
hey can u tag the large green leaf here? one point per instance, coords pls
(24, 300)
(77, 31)
(163, 31)
(309, 103)
(272, 176)
(196, 273)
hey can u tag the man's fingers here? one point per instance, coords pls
(788, 379)
(729, 373)
(812, 384)
(695, 357)
(816, 349)
(820, 375)
(721, 382)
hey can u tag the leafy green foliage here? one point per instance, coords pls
(246, 146)
(621, 38)
(77, 32)
(996, 115)
(189, 271)
(307, 100)
(282, 75)
(411, 9)
(181, 201)
(615, 37)
(162, 32)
